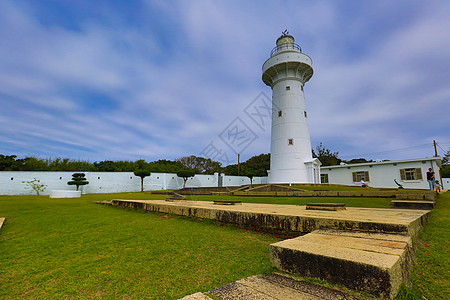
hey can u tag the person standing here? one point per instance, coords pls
(431, 178)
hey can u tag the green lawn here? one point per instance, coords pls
(73, 248)
(431, 274)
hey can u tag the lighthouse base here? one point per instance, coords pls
(308, 173)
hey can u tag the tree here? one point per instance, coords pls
(199, 164)
(445, 170)
(142, 173)
(231, 170)
(7, 162)
(258, 163)
(164, 166)
(250, 173)
(358, 161)
(105, 166)
(36, 185)
(446, 158)
(78, 179)
(326, 157)
(185, 174)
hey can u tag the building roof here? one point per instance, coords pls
(373, 163)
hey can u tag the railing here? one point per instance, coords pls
(285, 47)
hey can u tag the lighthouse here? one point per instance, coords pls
(286, 72)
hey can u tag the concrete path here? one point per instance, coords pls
(1, 222)
(273, 286)
(292, 217)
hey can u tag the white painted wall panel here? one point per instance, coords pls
(11, 182)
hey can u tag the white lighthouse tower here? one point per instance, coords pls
(286, 72)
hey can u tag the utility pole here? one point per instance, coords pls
(239, 156)
(440, 173)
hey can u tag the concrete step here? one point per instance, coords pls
(426, 195)
(413, 204)
(375, 263)
(278, 286)
(196, 296)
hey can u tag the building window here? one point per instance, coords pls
(357, 176)
(411, 174)
(290, 142)
(288, 88)
(323, 178)
(305, 114)
(280, 113)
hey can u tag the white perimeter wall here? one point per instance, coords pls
(383, 174)
(11, 182)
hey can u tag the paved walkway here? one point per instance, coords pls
(273, 286)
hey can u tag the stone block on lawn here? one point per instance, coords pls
(375, 263)
(325, 206)
(413, 204)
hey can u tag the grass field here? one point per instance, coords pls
(73, 248)
(431, 274)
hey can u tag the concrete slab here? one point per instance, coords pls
(292, 217)
(374, 263)
(278, 286)
(2, 220)
(413, 204)
(197, 296)
(326, 206)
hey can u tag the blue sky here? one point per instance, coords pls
(126, 80)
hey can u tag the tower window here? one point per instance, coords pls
(306, 115)
(280, 113)
(288, 88)
(290, 142)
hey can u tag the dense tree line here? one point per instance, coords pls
(254, 166)
(445, 170)
(199, 164)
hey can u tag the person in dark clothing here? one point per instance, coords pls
(431, 178)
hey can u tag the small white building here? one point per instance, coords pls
(410, 173)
